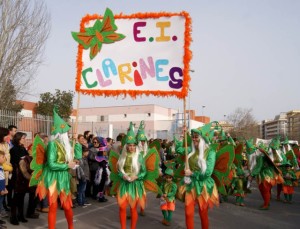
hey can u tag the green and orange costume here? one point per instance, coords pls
(238, 186)
(202, 188)
(133, 193)
(266, 172)
(51, 173)
(289, 179)
(169, 189)
(141, 139)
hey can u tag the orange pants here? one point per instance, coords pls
(189, 216)
(122, 214)
(265, 191)
(52, 215)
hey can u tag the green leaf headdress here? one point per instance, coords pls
(286, 141)
(205, 132)
(59, 125)
(249, 146)
(130, 137)
(141, 136)
(275, 143)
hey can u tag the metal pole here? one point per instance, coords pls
(189, 123)
(185, 135)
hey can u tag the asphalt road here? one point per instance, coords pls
(226, 216)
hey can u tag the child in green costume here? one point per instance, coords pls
(288, 187)
(167, 200)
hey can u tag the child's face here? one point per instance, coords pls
(2, 159)
(131, 148)
(168, 178)
(85, 154)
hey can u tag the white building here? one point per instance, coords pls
(276, 127)
(160, 122)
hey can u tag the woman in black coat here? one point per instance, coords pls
(18, 182)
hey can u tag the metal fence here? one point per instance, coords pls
(164, 129)
(27, 124)
(31, 124)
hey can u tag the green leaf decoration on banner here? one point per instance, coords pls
(101, 33)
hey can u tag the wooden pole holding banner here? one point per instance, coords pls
(185, 135)
(76, 125)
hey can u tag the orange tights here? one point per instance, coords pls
(189, 216)
(52, 216)
(265, 191)
(122, 214)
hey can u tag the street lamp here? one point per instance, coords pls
(189, 121)
(203, 110)
(189, 94)
(224, 117)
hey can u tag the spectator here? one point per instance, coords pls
(109, 142)
(117, 146)
(3, 190)
(86, 134)
(7, 167)
(93, 165)
(18, 184)
(12, 131)
(83, 175)
(25, 177)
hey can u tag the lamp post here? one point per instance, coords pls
(189, 121)
(203, 110)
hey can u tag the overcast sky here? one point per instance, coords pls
(246, 53)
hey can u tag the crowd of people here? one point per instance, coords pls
(129, 166)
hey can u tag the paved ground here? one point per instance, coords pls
(226, 216)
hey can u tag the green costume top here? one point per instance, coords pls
(55, 178)
(238, 182)
(291, 158)
(200, 180)
(52, 174)
(193, 162)
(135, 190)
(289, 177)
(128, 164)
(266, 171)
(56, 169)
(277, 159)
(170, 189)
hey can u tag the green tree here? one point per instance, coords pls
(8, 99)
(62, 99)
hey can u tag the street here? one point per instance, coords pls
(226, 216)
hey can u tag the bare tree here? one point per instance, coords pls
(24, 28)
(244, 123)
